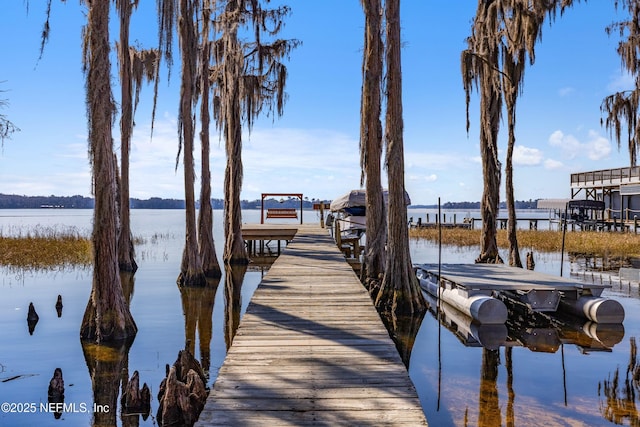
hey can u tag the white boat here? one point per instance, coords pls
(350, 208)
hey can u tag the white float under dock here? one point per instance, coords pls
(479, 307)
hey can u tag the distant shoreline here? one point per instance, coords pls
(13, 201)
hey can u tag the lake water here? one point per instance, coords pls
(532, 375)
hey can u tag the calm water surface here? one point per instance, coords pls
(532, 375)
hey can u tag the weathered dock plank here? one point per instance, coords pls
(502, 277)
(311, 350)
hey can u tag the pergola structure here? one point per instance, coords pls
(282, 212)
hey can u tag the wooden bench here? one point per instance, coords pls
(282, 213)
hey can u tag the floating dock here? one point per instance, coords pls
(540, 292)
(311, 350)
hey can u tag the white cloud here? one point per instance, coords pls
(526, 156)
(552, 164)
(597, 147)
(621, 82)
(566, 91)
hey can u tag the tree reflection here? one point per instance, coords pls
(489, 405)
(197, 307)
(108, 366)
(234, 276)
(508, 356)
(129, 418)
(618, 395)
(403, 329)
(106, 363)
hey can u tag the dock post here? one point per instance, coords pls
(454, 219)
(635, 224)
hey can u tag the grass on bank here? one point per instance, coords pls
(577, 242)
(52, 248)
(45, 249)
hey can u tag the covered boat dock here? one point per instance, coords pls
(618, 189)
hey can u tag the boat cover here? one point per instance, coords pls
(357, 198)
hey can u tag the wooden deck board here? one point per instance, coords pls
(315, 418)
(311, 350)
(502, 278)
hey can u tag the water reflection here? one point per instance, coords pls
(32, 318)
(403, 331)
(511, 394)
(488, 405)
(590, 262)
(106, 364)
(197, 307)
(469, 333)
(59, 306)
(234, 276)
(538, 332)
(55, 393)
(618, 395)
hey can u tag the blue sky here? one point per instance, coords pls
(313, 148)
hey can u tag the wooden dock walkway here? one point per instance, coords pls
(311, 350)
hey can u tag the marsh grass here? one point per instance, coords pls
(576, 242)
(45, 248)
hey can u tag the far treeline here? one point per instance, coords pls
(13, 201)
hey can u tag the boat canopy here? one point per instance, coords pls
(355, 201)
(596, 205)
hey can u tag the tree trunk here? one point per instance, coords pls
(126, 252)
(134, 399)
(191, 273)
(107, 317)
(489, 205)
(206, 246)
(490, 109)
(235, 251)
(399, 292)
(182, 393)
(514, 251)
(371, 148)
